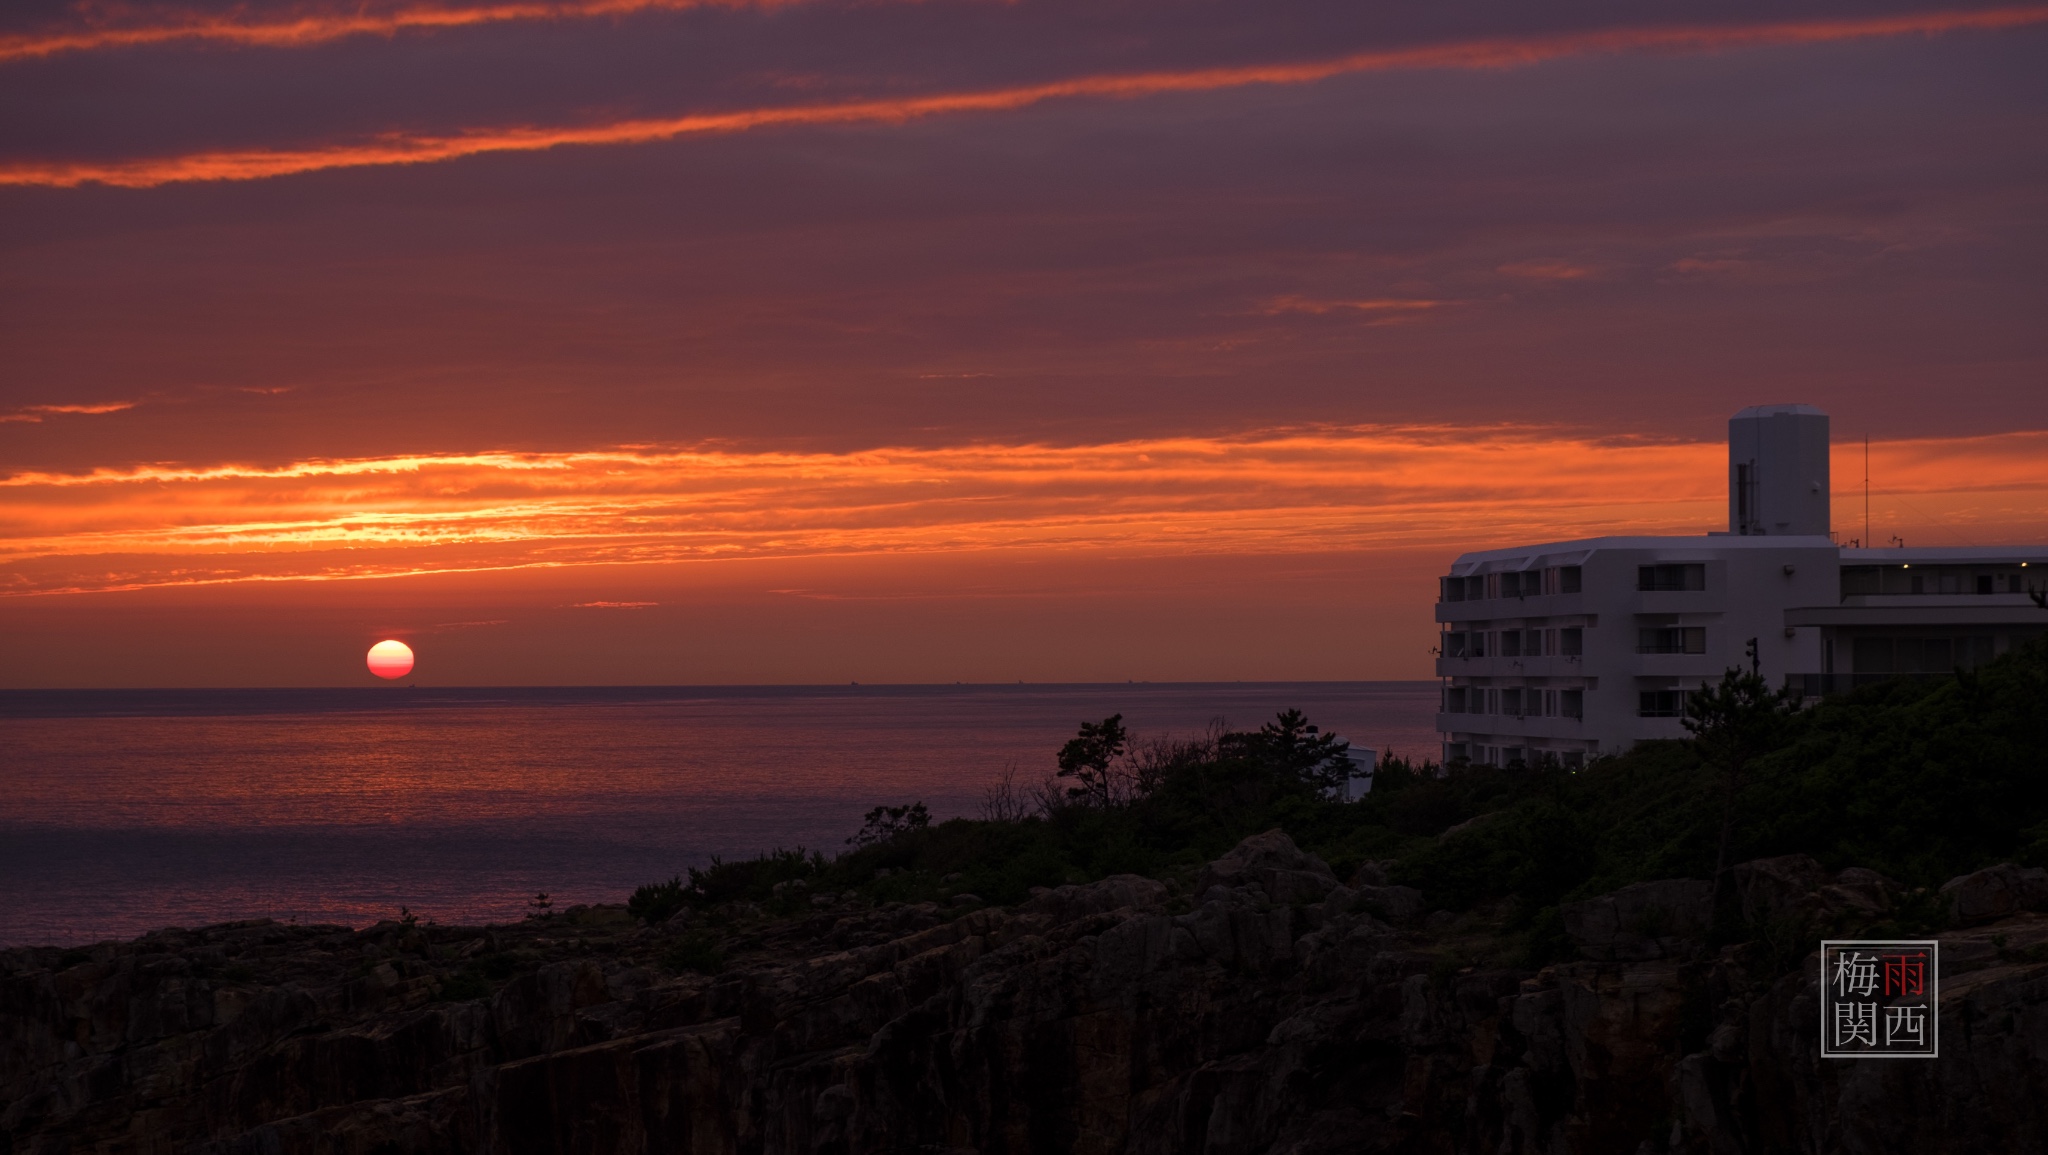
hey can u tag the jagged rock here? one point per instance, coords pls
(1397, 904)
(1276, 865)
(1995, 892)
(1650, 920)
(1101, 1018)
(1776, 888)
(1117, 892)
(1864, 891)
(1370, 874)
(1795, 889)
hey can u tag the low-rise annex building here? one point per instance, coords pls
(1569, 650)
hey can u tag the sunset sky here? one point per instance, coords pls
(715, 341)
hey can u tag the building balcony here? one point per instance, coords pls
(1821, 685)
(1676, 602)
(1547, 666)
(1496, 609)
(1922, 610)
(1684, 666)
(1510, 725)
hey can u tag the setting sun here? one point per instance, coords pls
(390, 659)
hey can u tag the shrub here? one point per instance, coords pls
(698, 952)
(463, 986)
(1919, 780)
(657, 902)
(888, 823)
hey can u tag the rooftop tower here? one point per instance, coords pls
(1778, 471)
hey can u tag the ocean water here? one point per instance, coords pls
(123, 811)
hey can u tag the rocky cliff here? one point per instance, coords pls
(1261, 1006)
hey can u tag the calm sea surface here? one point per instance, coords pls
(122, 811)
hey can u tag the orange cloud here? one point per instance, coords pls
(317, 27)
(397, 148)
(34, 413)
(1275, 492)
(1375, 305)
(1546, 270)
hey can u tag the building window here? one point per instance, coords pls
(1572, 703)
(1568, 579)
(1984, 583)
(1454, 645)
(1660, 703)
(1574, 759)
(1672, 640)
(1511, 643)
(1477, 644)
(1663, 578)
(1454, 699)
(1572, 642)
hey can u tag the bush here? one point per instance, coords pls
(696, 952)
(750, 879)
(657, 902)
(888, 823)
(1919, 780)
(463, 986)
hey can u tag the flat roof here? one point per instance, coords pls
(1775, 410)
(1725, 542)
(1587, 545)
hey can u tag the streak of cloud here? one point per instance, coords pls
(306, 28)
(403, 148)
(1320, 307)
(34, 413)
(1546, 270)
(1290, 491)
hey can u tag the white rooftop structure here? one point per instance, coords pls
(1573, 649)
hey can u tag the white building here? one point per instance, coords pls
(1578, 648)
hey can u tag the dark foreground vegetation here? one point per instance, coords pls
(1502, 960)
(1919, 780)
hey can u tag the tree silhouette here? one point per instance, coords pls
(1087, 756)
(1732, 725)
(1297, 749)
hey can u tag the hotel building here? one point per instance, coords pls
(1573, 649)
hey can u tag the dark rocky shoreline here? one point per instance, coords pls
(1260, 1006)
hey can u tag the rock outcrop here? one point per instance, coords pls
(1998, 892)
(1267, 1009)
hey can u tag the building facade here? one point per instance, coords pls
(1570, 650)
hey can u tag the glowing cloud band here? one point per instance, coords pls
(398, 148)
(1279, 492)
(309, 28)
